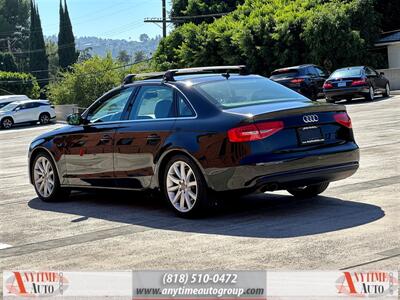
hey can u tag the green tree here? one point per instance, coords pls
(389, 14)
(19, 83)
(139, 56)
(66, 41)
(124, 57)
(187, 8)
(7, 62)
(52, 53)
(38, 60)
(86, 81)
(144, 38)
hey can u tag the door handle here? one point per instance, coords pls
(153, 137)
(106, 138)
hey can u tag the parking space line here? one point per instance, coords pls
(4, 246)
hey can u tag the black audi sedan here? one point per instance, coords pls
(304, 79)
(192, 133)
(352, 82)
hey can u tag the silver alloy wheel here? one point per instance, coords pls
(7, 123)
(182, 186)
(387, 89)
(44, 119)
(371, 93)
(44, 178)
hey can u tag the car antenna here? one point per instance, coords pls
(226, 75)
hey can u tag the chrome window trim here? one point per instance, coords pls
(154, 120)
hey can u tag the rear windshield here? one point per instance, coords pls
(346, 73)
(289, 73)
(236, 92)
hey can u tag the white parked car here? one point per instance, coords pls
(7, 99)
(31, 111)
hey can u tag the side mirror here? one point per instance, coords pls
(75, 119)
(17, 108)
(382, 74)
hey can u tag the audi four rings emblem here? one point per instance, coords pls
(310, 119)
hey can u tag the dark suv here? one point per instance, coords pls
(305, 79)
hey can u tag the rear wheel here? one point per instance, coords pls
(386, 93)
(184, 187)
(7, 123)
(44, 118)
(309, 190)
(45, 179)
(371, 94)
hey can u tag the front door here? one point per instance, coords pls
(138, 142)
(89, 151)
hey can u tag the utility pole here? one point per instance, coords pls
(164, 18)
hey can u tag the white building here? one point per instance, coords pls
(391, 40)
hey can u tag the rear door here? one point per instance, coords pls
(321, 76)
(23, 113)
(142, 137)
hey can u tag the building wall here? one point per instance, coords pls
(394, 56)
(394, 77)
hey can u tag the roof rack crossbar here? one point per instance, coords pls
(169, 75)
(152, 75)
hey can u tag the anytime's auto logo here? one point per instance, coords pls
(36, 284)
(310, 118)
(367, 284)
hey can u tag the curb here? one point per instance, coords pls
(396, 92)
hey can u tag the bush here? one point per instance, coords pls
(19, 83)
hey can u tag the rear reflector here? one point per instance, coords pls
(254, 132)
(359, 82)
(327, 85)
(343, 119)
(297, 80)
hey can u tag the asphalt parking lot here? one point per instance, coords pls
(355, 224)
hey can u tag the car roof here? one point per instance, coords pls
(295, 67)
(351, 68)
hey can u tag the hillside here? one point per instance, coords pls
(102, 46)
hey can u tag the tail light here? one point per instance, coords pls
(343, 119)
(327, 85)
(297, 80)
(359, 82)
(254, 132)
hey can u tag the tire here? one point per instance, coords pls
(386, 93)
(45, 179)
(44, 118)
(371, 95)
(187, 196)
(7, 123)
(309, 191)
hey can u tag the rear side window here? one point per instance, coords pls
(241, 91)
(285, 73)
(153, 102)
(184, 109)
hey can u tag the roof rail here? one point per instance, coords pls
(132, 77)
(169, 75)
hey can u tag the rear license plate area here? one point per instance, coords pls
(310, 135)
(341, 84)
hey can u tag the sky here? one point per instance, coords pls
(115, 19)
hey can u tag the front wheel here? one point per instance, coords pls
(7, 123)
(309, 191)
(45, 179)
(184, 187)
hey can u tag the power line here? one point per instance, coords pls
(89, 73)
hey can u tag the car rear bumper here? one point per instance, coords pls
(353, 91)
(313, 167)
